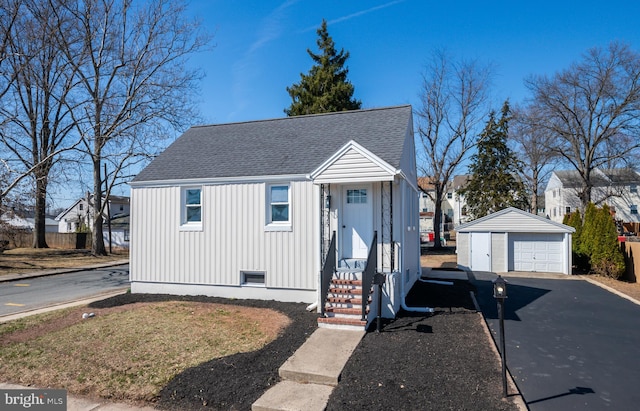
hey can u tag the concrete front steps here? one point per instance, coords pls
(311, 373)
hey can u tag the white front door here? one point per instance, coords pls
(357, 221)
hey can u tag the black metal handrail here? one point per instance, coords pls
(328, 269)
(369, 272)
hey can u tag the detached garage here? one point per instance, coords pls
(514, 240)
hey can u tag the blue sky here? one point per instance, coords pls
(260, 46)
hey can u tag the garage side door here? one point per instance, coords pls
(536, 252)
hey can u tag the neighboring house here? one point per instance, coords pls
(16, 222)
(618, 188)
(454, 206)
(28, 223)
(514, 240)
(79, 215)
(116, 232)
(249, 210)
(50, 224)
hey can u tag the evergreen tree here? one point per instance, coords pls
(326, 88)
(606, 257)
(575, 220)
(589, 230)
(495, 183)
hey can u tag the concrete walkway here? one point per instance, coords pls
(312, 372)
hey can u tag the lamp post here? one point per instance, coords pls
(500, 293)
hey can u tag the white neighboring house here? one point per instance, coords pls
(262, 209)
(81, 213)
(28, 223)
(618, 188)
(454, 206)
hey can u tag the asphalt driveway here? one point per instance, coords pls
(570, 344)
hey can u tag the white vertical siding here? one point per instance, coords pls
(233, 237)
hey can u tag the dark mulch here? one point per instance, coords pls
(440, 361)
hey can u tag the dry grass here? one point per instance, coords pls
(23, 260)
(444, 258)
(128, 352)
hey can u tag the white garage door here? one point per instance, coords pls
(536, 252)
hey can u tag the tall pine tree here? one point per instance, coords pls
(326, 88)
(495, 181)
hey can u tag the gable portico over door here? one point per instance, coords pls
(356, 221)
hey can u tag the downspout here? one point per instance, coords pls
(403, 303)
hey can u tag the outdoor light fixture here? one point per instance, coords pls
(327, 201)
(499, 288)
(500, 293)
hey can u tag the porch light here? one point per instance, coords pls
(327, 201)
(500, 288)
(500, 293)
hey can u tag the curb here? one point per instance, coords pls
(44, 273)
(610, 289)
(66, 304)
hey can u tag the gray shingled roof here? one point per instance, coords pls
(599, 178)
(292, 145)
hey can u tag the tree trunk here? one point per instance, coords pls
(437, 219)
(97, 240)
(39, 218)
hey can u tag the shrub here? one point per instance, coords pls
(606, 257)
(580, 260)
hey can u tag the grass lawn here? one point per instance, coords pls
(128, 352)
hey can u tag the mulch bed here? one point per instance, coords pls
(439, 361)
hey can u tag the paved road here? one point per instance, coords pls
(32, 293)
(570, 345)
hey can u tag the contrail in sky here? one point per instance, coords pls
(357, 14)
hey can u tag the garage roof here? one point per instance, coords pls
(514, 220)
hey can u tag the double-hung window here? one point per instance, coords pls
(191, 213)
(279, 207)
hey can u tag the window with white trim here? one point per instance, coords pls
(278, 206)
(633, 188)
(634, 209)
(191, 208)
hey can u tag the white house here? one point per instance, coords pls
(80, 213)
(262, 209)
(514, 240)
(618, 188)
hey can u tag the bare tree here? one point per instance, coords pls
(591, 111)
(135, 86)
(454, 99)
(9, 10)
(532, 145)
(38, 120)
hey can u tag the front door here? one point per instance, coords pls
(357, 221)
